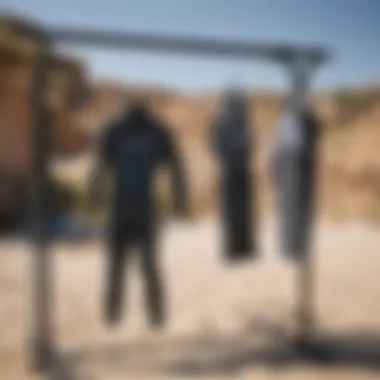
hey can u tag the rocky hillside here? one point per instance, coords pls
(19, 50)
(349, 155)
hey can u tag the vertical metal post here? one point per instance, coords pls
(300, 75)
(305, 312)
(41, 271)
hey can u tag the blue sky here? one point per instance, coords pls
(350, 27)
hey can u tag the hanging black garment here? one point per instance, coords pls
(232, 144)
(295, 168)
(133, 148)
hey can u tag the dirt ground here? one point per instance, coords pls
(224, 321)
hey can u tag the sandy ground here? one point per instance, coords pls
(224, 321)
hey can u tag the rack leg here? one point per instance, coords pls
(40, 356)
(304, 341)
(305, 320)
(42, 256)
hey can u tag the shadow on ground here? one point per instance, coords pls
(218, 355)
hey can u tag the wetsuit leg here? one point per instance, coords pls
(154, 297)
(118, 247)
(237, 210)
(242, 217)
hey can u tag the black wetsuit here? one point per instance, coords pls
(232, 143)
(133, 148)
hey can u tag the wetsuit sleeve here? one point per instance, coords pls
(179, 185)
(107, 145)
(103, 161)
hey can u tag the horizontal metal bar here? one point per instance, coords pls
(282, 53)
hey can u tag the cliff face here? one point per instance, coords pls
(19, 49)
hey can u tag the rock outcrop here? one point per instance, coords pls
(19, 50)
